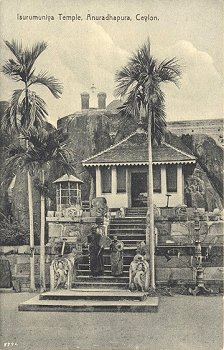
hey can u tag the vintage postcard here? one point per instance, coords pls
(111, 174)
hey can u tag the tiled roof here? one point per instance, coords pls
(134, 151)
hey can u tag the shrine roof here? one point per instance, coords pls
(68, 178)
(133, 150)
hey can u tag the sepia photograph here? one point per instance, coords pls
(111, 174)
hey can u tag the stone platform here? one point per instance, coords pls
(91, 300)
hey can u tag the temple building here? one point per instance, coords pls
(120, 172)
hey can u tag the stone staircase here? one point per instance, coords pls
(136, 212)
(131, 231)
(91, 300)
(105, 293)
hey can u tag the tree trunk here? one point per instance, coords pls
(42, 239)
(32, 261)
(150, 238)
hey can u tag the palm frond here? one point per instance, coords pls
(50, 82)
(33, 111)
(44, 147)
(11, 117)
(14, 70)
(6, 122)
(31, 55)
(37, 49)
(170, 71)
(16, 48)
(15, 160)
(124, 81)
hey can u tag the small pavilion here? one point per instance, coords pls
(68, 191)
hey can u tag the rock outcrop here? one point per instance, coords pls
(89, 133)
(209, 171)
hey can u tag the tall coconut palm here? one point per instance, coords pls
(44, 148)
(139, 83)
(26, 107)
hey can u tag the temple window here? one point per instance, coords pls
(121, 179)
(171, 178)
(106, 179)
(156, 178)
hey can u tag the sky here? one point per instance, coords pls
(85, 52)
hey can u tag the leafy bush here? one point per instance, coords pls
(12, 233)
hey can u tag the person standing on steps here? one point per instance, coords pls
(116, 257)
(95, 253)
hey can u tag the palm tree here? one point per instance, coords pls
(44, 148)
(139, 83)
(26, 108)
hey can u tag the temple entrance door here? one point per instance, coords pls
(139, 189)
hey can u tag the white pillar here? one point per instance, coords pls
(98, 182)
(163, 184)
(180, 184)
(113, 180)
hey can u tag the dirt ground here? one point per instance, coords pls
(182, 323)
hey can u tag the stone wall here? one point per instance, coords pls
(174, 256)
(174, 260)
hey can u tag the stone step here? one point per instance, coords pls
(127, 259)
(7, 290)
(128, 220)
(35, 304)
(99, 285)
(106, 272)
(123, 237)
(127, 225)
(106, 267)
(127, 250)
(136, 210)
(136, 214)
(127, 230)
(131, 242)
(103, 279)
(93, 294)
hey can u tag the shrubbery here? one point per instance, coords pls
(12, 233)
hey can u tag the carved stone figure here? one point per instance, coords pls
(141, 248)
(139, 278)
(195, 191)
(61, 273)
(139, 274)
(99, 207)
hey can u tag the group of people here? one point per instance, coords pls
(97, 243)
(139, 267)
